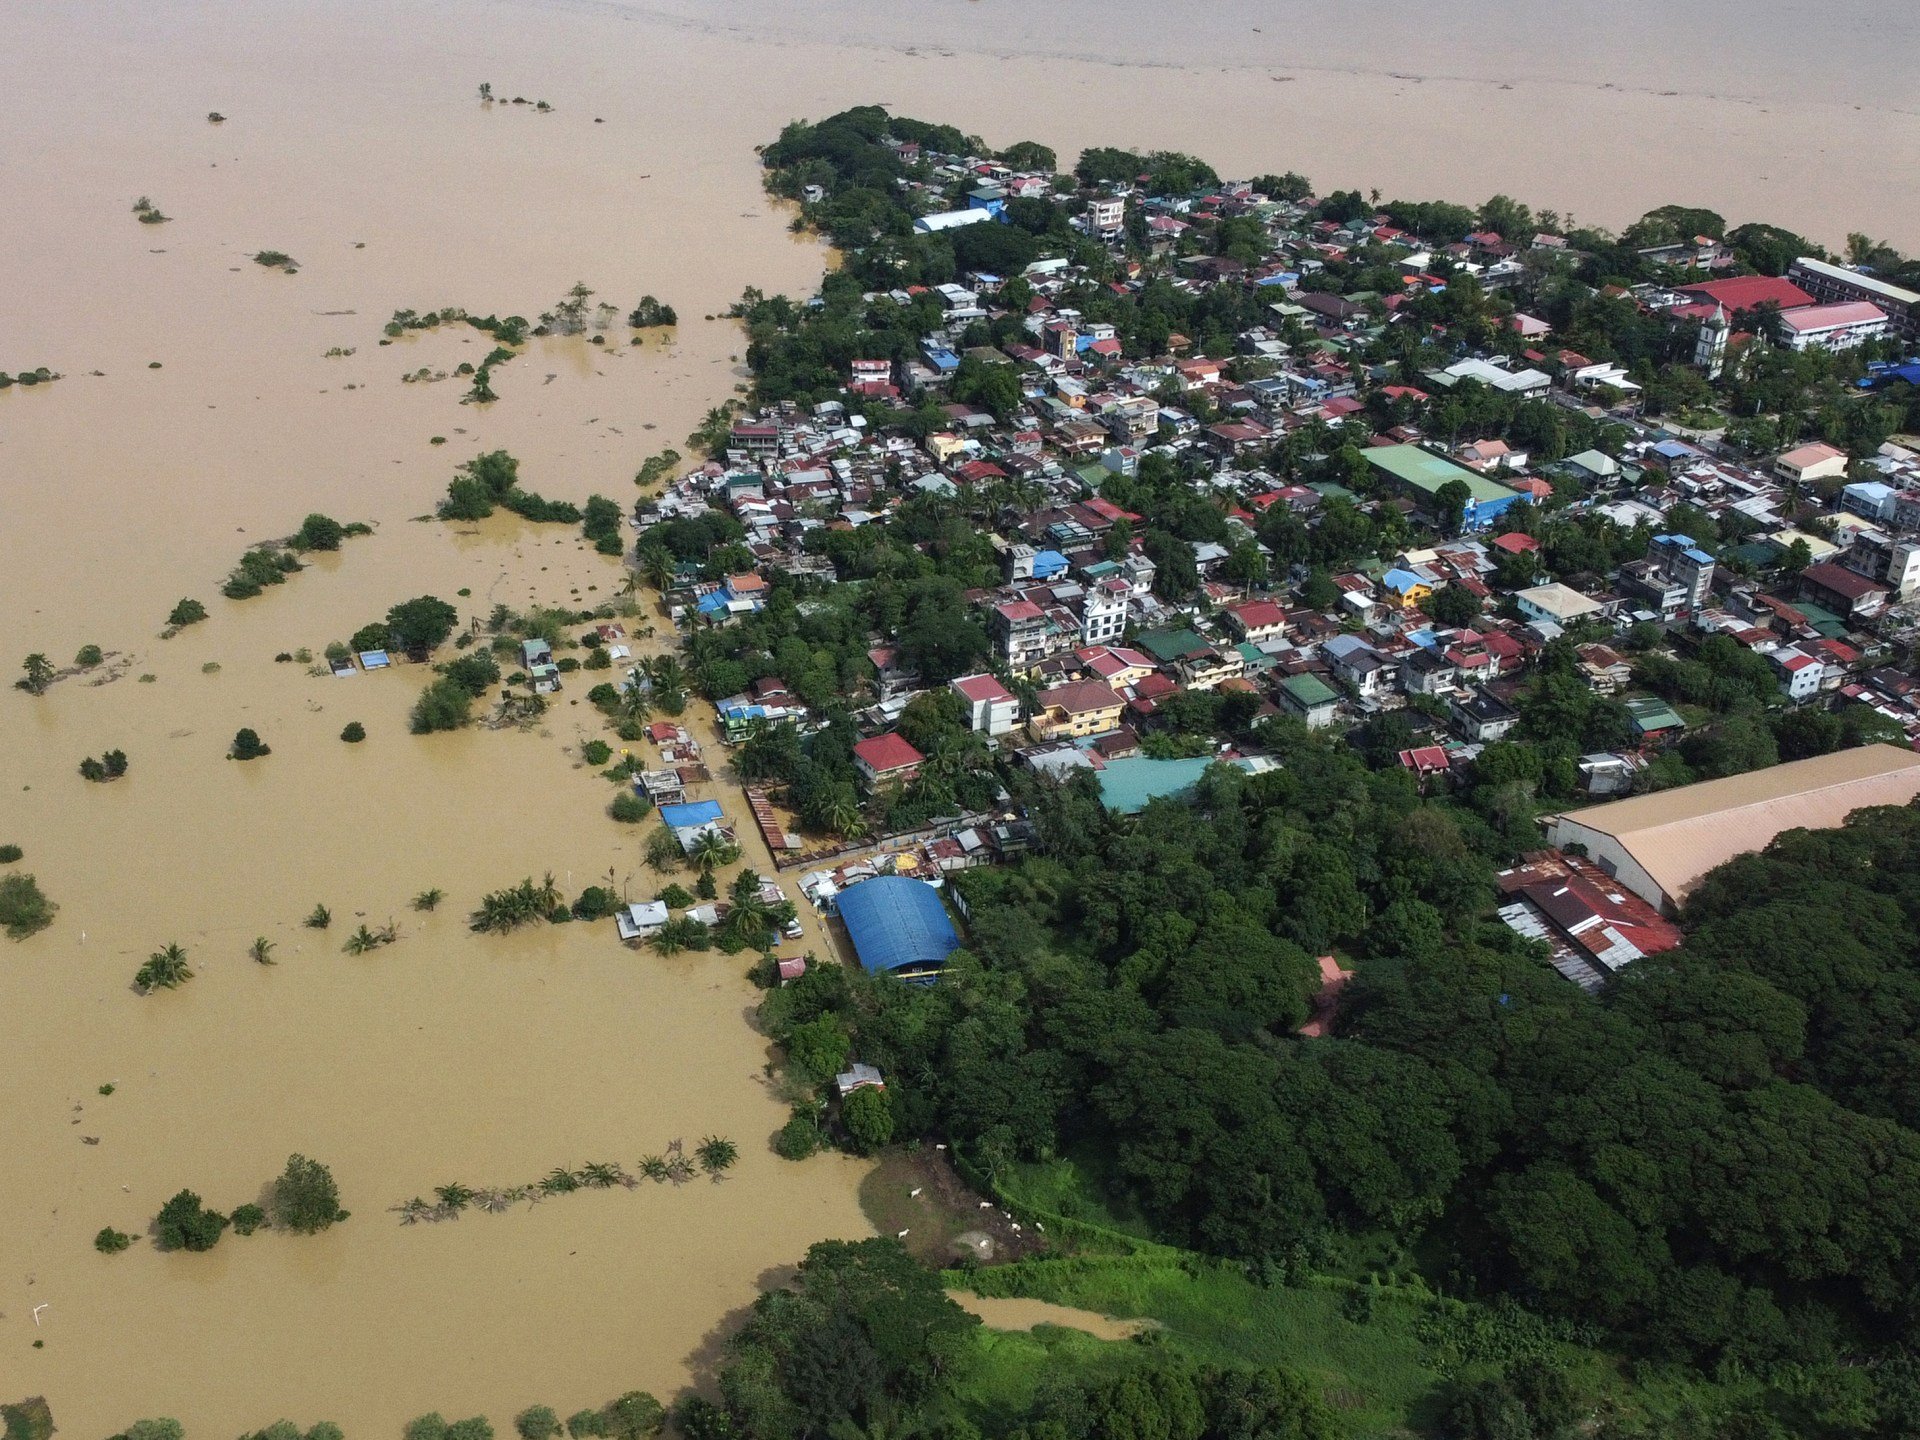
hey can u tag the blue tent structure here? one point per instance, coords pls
(898, 926)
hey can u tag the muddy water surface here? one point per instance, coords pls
(356, 143)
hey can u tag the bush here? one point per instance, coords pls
(305, 1199)
(111, 1241)
(596, 753)
(247, 1219)
(276, 260)
(475, 673)
(675, 897)
(10, 853)
(183, 1224)
(23, 909)
(187, 612)
(248, 746)
(354, 733)
(537, 1422)
(629, 808)
(319, 532)
(587, 1423)
(374, 636)
(596, 902)
(88, 657)
(443, 705)
(799, 1137)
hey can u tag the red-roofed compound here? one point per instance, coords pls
(886, 760)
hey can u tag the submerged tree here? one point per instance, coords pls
(305, 1198)
(166, 969)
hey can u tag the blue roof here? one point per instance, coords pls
(691, 814)
(1401, 581)
(897, 925)
(1048, 562)
(712, 602)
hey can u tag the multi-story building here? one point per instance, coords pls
(1833, 285)
(991, 708)
(1103, 612)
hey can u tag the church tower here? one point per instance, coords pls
(1710, 350)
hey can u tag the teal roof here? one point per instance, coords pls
(1823, 620)
(1127, 785)
(1427, 472)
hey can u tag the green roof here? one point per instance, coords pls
(1650, 714)
(1427, 472)
(1823, 620)
(1332, 490)
(1308, 691)
(1166, 645)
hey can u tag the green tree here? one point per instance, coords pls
(868, 1115)
(305, 1198)
(422, 623)
(165, 969)
(39, 674)
(184, 1224)
(537, 1422)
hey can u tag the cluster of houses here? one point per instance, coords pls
(1089, 647)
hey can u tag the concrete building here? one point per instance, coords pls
(1816, 461)
(1845, 326)
(1833, 285)
(1424, 474)
(1556, 604)
(991, 708)
(1075, 710)
(1660, 845)
(1103, 612)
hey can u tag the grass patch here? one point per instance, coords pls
(1007, 1367)
(1075, 1185)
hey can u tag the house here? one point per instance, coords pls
(1800, 673)
(536, 658)
(1556, 604)
(1482, 716)
(1310, 698)
(1405, 588)
(1650, 716)
(1076, 709)
(1593, 925)
(1817, 461)
(1605, 669)
(1257, 621)
(886, 760)
(992, 709)
(1847, 593)
(1425, 475)
(637, 922)
(1359, 666)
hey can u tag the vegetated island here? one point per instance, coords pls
(272, 561)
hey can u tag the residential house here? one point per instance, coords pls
(1310, 698)
(886, 760)
(1076, 709)
(992, 709)
(1482, 716)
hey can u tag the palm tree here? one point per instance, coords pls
(166, 969)
(559, 1181)
(601, 1176)
(667, 673)
(261, 951)
(710, 851)
(453, 1198)
(654, 1167)
(842, 813)
(320, 918)
(636, 700)
(717, 1154)
(428, 899)
(361, 941)
(656, 567)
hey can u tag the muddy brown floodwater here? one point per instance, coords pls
(201, 411)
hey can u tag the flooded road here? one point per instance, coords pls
(355, 141)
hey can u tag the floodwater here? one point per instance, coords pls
(1015, 1313)
(355, 142)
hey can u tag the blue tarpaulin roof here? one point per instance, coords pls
(897, 925)
(694, 812)
(712, 601)
(1048, 562)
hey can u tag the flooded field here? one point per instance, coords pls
(355, 142)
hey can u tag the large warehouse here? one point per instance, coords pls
(898, 925)
(1659, 845)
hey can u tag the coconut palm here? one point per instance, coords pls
(560, 1181)
(711, 851)
(428, 900)
(166, 969)
(361, 941)
(261, 951)
(716, 1155)
(601, 1176)
(319, 918)
(654, 1167)
(656, 567)
(842, 813)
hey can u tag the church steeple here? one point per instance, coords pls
(1710, 349)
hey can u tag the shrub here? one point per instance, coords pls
(305, 1198)
(705, 887)
(318, 918)
(23, 909)
(443, 705)
(89, 656)
(587, 1425)
(475, 1428)
(187, 612)
(248, 746)
(276, 260)
(799, 1137)
(10, 853)
(675, 897)
(247, 1219)
(474, 673)
(354, 733)
(596, 902)
(373, 636)
(427, 1427)
(629, 808)
(111, 1241)
(183, 1224)
(318, 532)
(537, 1422)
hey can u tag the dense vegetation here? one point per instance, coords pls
(1718, 1160)
(24, 909)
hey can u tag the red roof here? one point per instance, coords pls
(1840, 580)
(1825, 317)
(884, 753)
(1078, 697)
(981, 687)
(1746, 292)
(1257, 614)
(1516, 543)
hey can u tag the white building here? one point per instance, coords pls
(1556, 603)
(1833, 327)
(1103, 614)
(991, 707)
